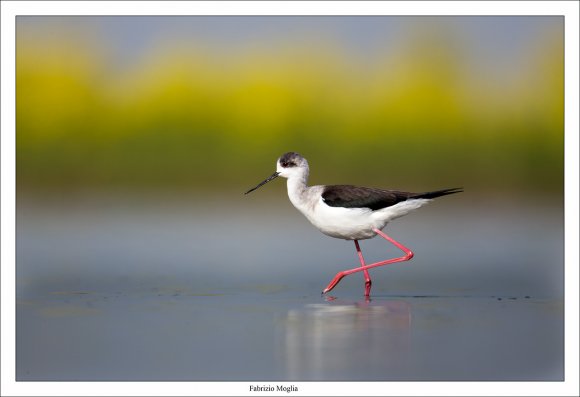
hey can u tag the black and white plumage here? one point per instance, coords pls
(346, 211)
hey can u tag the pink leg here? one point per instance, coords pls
(364, 268)
(368, 282)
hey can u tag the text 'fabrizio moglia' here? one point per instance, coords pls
(287, 389)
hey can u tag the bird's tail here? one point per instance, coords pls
(437, 193)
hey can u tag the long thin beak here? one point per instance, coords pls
(271, 177)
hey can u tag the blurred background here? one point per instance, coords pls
(209, 103)
(137, 137)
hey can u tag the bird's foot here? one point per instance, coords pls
(368, 285)
(334, 282)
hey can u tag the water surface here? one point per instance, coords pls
(113, 289)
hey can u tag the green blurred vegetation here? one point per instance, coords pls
(191, 117)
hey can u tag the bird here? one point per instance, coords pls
(349, 212)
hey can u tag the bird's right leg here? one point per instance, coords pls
(340, 275)
(364, 268)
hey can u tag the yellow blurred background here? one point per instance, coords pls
(209, 103)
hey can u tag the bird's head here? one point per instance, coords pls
(289, 165)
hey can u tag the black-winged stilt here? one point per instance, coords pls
(349, 212)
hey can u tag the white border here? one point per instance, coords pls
(569, 9)
(289, 8)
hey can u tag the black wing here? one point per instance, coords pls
(348, 196)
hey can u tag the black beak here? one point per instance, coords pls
(271, 177)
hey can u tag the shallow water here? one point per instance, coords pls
(161, 290)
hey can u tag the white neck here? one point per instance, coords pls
(297, 186)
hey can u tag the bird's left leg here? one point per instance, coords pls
(339, 276)
(368, 282)
(364, 268)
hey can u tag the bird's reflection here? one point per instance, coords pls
(339, 340)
